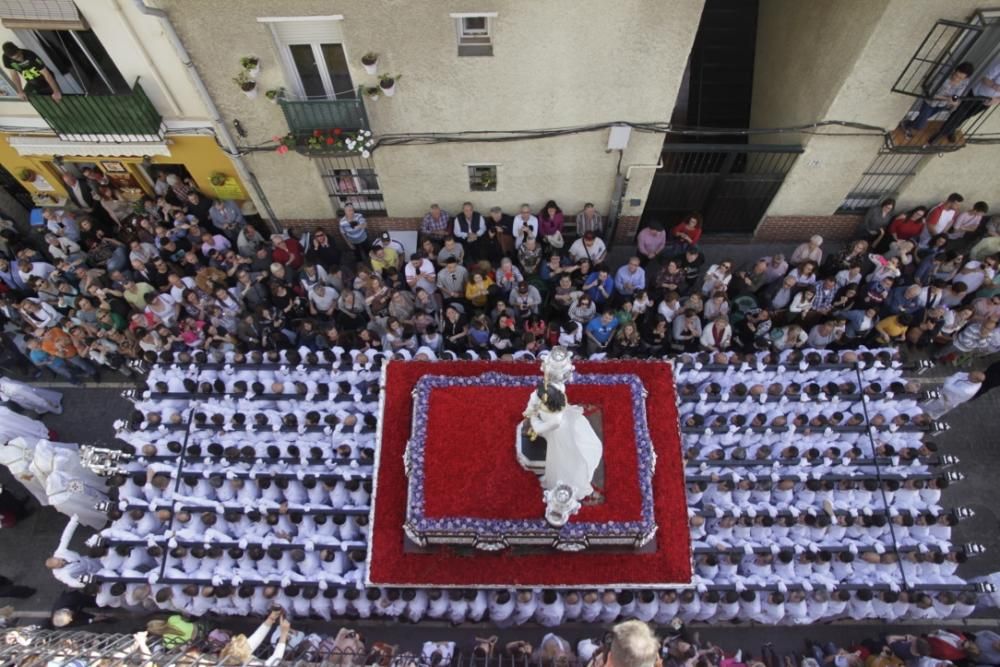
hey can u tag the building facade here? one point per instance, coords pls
(501, 102)
(464, 67)
(129, 108)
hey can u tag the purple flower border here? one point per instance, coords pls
(417, 524)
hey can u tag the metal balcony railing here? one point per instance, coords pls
(306, 116)
(119, 119)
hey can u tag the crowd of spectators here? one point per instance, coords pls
(628, 644)
(90, 291)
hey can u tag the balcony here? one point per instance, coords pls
(304, 117)
(118, 119)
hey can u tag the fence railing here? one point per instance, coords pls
(124, 118)
(304, 116)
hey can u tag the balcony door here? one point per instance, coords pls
(77, 59)
(315, 63)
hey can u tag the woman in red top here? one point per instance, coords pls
(908, 225)
(687, 231)
(287, 252)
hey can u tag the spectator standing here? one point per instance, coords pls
(589, 220)
(354, 229)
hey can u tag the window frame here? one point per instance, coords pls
(316, 46)
(473, 176)
(475, 42)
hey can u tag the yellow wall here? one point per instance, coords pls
(200, 155)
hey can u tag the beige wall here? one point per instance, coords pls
(970, 171)
(556, 64)
(838, 60)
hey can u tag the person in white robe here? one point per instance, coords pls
(17, 456)
(67, 565)
(30, 398)
(956, 390)
(13, 425)
(70, 488)
(73, 495)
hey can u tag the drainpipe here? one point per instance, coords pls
(257, 195)
(618, 195)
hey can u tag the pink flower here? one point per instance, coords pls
(282, 149)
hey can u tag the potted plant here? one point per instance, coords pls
(252, 65)
(275, 94)
(26, 175)
(372, 92)
(387, 82)
(217, 178)
(370, 62)
(246, 84)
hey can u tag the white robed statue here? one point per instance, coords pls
(30, 398)
(573, 451)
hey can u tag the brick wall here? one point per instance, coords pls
(331, 225)
(800, 228)
(627, 227)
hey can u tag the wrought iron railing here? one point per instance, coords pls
(309, 115)
(125, 118)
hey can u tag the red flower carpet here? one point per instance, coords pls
(471, 471)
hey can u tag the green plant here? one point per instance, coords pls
(275, 94)
(244, 81)
(249, 62)
(369, 58)
(388, 80)
(217, 178)
(372, 91)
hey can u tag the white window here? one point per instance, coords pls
(313, 57)
(475, 33)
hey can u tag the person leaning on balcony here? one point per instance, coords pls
(38, 80)
(985, 93)
(947, 96)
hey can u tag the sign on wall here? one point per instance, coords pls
(229, 190)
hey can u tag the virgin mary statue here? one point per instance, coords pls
(573, 450)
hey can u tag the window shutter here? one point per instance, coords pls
(41, 15)
(308, 32)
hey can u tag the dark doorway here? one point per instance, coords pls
(731, 185)
(15, 189)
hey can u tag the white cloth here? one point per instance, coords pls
(13, 425)
(29, 397)
(73, 495)
(956, 390)
(17, 455)
(573, 451)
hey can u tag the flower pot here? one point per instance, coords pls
(388, 87)
(372, 93)
(370, 67)
(254, 71)
(250, 92)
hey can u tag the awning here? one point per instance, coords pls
(52, 146)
